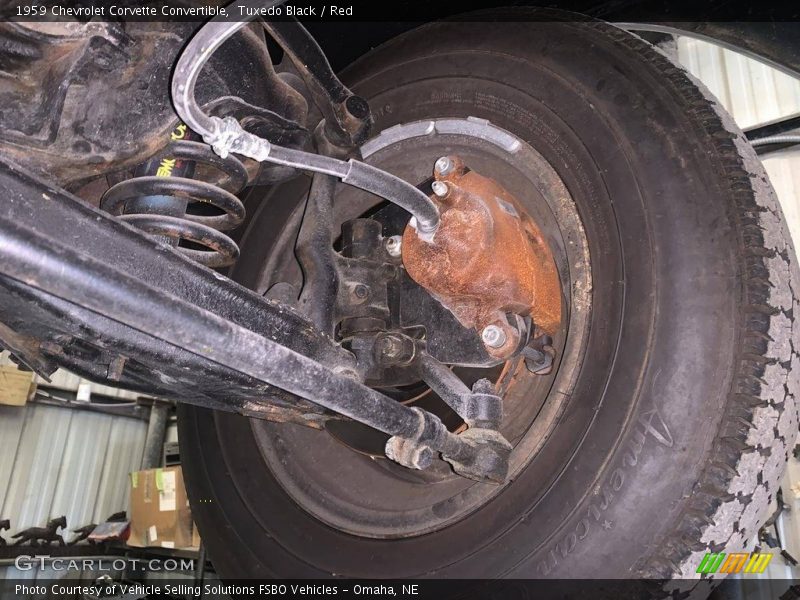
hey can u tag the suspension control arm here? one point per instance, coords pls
(316, 255)
(479, 407)
(60, 268)
(347, 116)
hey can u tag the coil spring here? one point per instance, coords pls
(200, 229)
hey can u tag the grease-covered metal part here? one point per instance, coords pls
(488, 259)
(82, 99)
(137, 303)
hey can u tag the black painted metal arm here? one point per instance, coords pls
(55, 244)
(316, 255)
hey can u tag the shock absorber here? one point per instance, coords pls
(157, 197)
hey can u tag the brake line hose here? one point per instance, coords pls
(227, 135)
(776, 139)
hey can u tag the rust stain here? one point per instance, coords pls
(488, 258)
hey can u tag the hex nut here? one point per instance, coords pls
(394, 246)
(443, 166)
(439, 188)
(493, 336)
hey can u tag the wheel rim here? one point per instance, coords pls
(375, 498)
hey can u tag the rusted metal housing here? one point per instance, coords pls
(488, 258)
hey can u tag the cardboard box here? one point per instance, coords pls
(16, 386)
(160, 513)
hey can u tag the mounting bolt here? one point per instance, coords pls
(409, 453)
(493, 336)
(357, 106)
(394, 246)
(423, 458)
(443, 166)
(395, 349)
(360, 291)
(391, 347)
(439, 188)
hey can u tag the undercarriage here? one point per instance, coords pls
(395, 299)
(392, 299)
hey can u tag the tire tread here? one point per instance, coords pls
(760, 423)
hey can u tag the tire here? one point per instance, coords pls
(686, 400)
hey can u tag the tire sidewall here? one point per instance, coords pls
(666, 290)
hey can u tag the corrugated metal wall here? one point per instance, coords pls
(755, 94)
(751, 91)
(60, 461)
